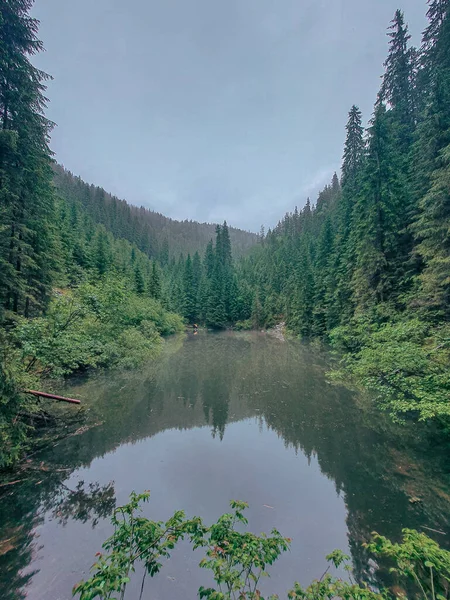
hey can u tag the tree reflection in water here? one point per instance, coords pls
(93, 504)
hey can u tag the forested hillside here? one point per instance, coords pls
(367, 268)
(87, 280)
(154, 234)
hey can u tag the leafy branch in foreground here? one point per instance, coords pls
(135, 539)
(418, 558)
(238, 560)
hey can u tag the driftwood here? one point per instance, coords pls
(10, 483)
(52, 396)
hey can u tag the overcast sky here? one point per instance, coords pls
(207, 109)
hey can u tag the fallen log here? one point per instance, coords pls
(52, 396)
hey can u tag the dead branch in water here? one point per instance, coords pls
(52, 396)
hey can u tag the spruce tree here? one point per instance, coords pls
(26, 194)
(225, 258)
(344, 260)
(257, 316)
(217, 272)
(209, 260)
(139, 284)
(433, 234)
(353, 150)
(436, 14)
(397, 86)
(432, 223)
(379, 217)
(300, 307)
(154, 287)
(196, 284)
(102, 251)
(432, 134)
(224, 245)
(216, 316)
(322, 268)
(189, 292)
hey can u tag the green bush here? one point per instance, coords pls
(96, 325)
(246, 325)
(405, 363)
(101, 324)
(13, 403)
(239, 559)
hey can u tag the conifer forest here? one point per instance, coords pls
(92, 284)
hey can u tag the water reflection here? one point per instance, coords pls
(249, 390)
(81, 504)
(22, 514)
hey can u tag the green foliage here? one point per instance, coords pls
(135, 539)
(418, 558)
(433, 232)
(406, 364)
(367, 268)
(154, 287)
(13, 430)
(209, 291)
(26, 193)
(239, 559)
(101, 324)
(244, 325)
(329, 587)
(153, 234)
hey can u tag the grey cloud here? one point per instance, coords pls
(208, 109)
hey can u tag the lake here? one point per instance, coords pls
(221, 416)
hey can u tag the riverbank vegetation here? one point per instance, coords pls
(367, 267)
(86, 280)
(239, 560)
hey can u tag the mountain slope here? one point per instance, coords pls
(153, 233)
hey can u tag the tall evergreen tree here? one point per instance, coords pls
(432, 224)
(437, 13)
(353, 149)
(257, 316)
(433, 234)
(397, 88)
(26, 196)
(342, 263)
(225, 245)
(189, 292)
(154, 287)
(301, 303)
(218, 272)
(139, 283)
(209, 259)
(216, 315)
(323, 266)
(196, 284)
(379, 215)
(102, 251)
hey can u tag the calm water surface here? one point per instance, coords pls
(219, 417)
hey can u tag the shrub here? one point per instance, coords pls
(238, 560)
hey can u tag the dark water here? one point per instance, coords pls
(220, 417)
